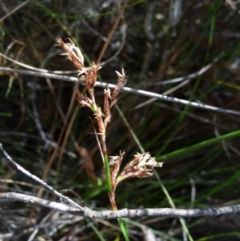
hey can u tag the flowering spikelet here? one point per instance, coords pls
(73, 53)
(91, 75)
(122, 80)
(141, 166)
(115, 163)
(98, 115)
(83, 100)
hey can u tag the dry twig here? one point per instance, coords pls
(124, 89)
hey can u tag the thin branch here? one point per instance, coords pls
(125, 89)
(187, 77)
(9, 13)
(124, 213)
(36, 69)
(124, 35)
(38, 180)
(46, 141)
(184, 80)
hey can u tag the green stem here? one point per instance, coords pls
(123, 228)
(107, 172)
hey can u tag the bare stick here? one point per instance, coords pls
(125, 89)
(123, 213)
(38, 180)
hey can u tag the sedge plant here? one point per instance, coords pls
(142, 164)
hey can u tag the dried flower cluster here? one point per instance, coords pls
(73, 53)
(142, 165)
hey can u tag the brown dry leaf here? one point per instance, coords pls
(87, 160)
